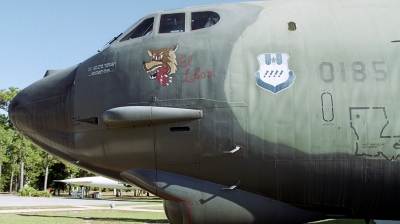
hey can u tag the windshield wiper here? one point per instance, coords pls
(114, 39)
(109, 42)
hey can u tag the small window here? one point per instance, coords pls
(202, 20)
(145, 28)
(172, 23)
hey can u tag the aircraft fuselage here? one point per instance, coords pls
(277, 107)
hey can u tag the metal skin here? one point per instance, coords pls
(282, 112)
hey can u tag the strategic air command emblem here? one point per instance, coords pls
(274, 74)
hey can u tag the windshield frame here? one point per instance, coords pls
(132, 27)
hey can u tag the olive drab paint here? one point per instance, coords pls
(258, 112)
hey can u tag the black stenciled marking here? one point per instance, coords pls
(388, 158)
(382, 108)
(363, 154)
(383, 73)
(358, 70)
(355, 132)
(322, 74)
(378, 153)
(385, 114)
(323, 111)
(384, 129)
(356, 108)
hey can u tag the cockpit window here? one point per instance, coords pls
(172, 23)
(145, 28)
(202, 20)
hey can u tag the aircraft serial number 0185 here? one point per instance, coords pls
(358, 71)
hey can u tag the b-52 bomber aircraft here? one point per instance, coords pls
(259, 112)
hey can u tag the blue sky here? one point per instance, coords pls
(45, 34)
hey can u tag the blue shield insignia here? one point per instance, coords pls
(274, 74)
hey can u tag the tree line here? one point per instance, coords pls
(22, 163)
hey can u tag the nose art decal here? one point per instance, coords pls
(162, 64)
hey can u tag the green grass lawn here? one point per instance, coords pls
(103, 216)
(108, 216)
(34, 207)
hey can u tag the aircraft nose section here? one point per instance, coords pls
(43, 112)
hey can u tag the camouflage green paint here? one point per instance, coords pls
(323, 144)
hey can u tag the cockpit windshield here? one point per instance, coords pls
(172, 23)
(202, 20)
(169, 23)
(145, 28)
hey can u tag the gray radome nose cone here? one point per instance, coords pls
(43, 101)
(43, 112)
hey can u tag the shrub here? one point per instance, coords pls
(32, 192)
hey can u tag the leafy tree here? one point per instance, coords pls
(6, 135)
(15, 148)
(5, 142)
(58, 171)
(49, 159)
(6, 96)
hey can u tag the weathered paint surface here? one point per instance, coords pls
(298, 111)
